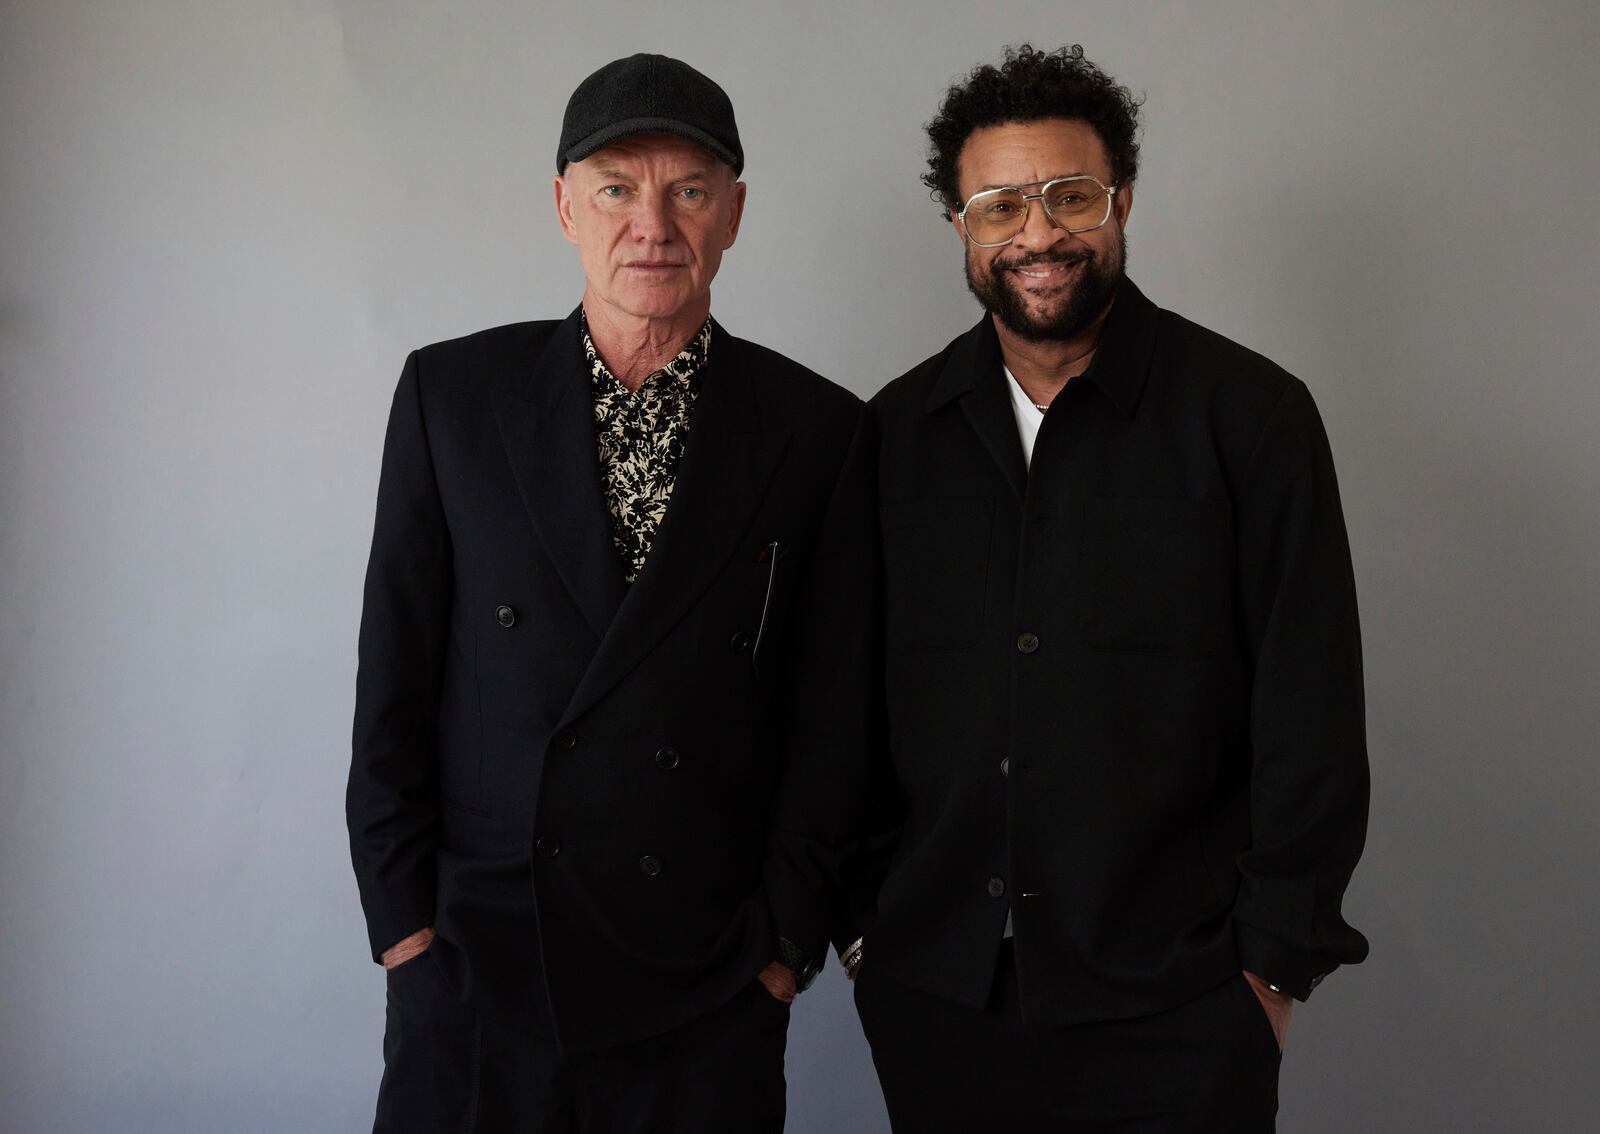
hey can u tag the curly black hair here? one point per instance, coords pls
(1029, 85)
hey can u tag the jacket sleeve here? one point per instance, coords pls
(1309, 777)
(868, 863)
(391, 801)
(826, 684)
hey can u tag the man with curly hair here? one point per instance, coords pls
(1123, 677)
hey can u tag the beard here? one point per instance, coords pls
(1067, 313)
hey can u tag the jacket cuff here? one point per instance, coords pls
(805, 966)
(1285, 968)
(398, 918)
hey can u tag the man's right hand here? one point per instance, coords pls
(778, 979)
(407, 948)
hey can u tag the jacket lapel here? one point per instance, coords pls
(973, 375)
(547, 428)
(728, 461)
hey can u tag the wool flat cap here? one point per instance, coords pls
(648, 94)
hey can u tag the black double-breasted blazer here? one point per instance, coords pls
(1123, 685)
(615, 797)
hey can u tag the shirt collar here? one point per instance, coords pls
(1121, 358)
(685, 367)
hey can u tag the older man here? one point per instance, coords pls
(1124, 672)
(595, 805)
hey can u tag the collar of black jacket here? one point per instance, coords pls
(561, 369)
(1121, 361)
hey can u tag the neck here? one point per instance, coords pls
(634, 347)
(1043, 369)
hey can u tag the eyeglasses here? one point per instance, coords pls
(994, 217)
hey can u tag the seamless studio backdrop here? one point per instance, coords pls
(223, 223)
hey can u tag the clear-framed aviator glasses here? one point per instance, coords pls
(993, 217)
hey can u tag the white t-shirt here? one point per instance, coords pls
(1029, 416)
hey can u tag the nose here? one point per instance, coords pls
(1038, 230)
(652, 222)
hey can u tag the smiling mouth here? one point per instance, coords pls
(1048, 271)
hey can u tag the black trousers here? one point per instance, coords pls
(1210, 1065)
(449, 1070)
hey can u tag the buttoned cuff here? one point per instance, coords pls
(1284, 968)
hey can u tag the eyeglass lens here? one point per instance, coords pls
(1077, 204)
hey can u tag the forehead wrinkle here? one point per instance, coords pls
(615, 172)
(1028, 184)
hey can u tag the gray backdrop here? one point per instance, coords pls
(223, 223)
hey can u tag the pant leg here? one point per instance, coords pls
(720, 1074)
(1207, 1066)
(946, 1067)
(447, 1070)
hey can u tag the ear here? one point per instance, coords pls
(1122, 204)
(563, 192)
(736, 214)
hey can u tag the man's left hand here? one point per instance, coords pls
(778, 979)
(1278, 1006)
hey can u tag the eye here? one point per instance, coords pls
(612, 192)
(692, 193)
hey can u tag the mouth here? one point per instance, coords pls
(654, 265)
(1053, 271)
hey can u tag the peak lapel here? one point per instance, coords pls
(547, 427)
(728, 461)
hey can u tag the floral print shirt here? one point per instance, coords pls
(641, 437)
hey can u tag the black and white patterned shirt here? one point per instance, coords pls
(641, 437)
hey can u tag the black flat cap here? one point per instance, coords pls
(648, 94)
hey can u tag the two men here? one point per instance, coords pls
(621, 563)
(620, 658)
(1123, 667)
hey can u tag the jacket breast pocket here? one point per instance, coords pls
(1155, 576)
(936, 571)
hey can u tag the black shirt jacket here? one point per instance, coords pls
(1124, 690)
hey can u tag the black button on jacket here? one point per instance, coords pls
(1156, 627)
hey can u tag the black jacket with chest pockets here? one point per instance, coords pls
(613, 796)
(1124, 686)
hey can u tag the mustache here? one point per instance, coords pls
(1041, 259)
